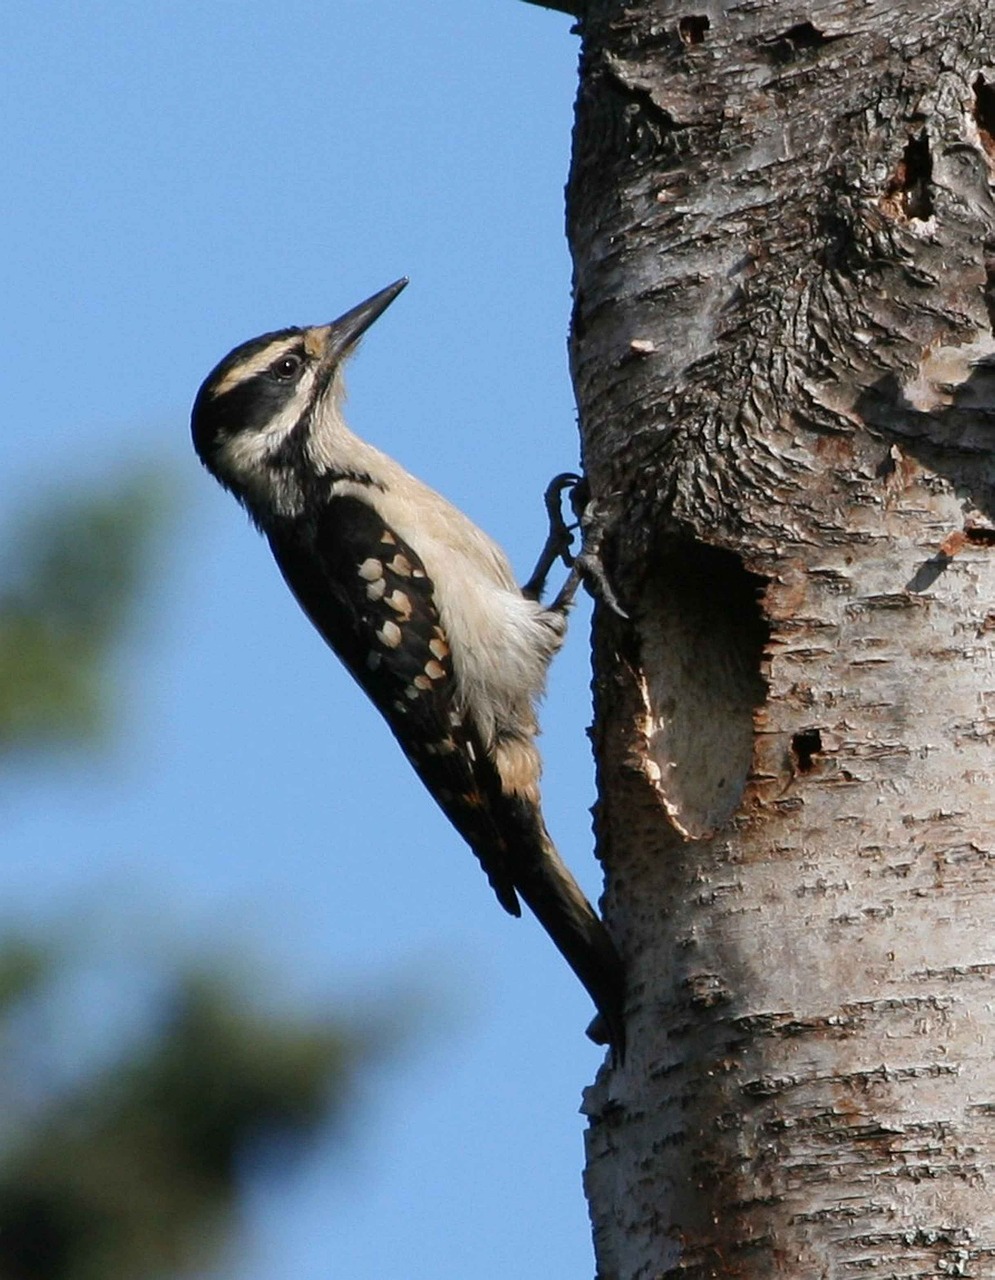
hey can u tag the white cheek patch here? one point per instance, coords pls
(245, 459)
(256, 364)
(243, 455)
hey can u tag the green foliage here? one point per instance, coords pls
(130, 1169)
(71, 571)
(133, 1171)
(23, 968)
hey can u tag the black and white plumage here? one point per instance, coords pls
(420, 605)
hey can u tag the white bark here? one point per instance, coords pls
(784, 363)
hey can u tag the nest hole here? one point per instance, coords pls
(702, 644)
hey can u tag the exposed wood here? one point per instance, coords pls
(783, 230)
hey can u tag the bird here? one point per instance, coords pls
(419, 604)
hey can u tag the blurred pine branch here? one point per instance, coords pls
(70, 575)
(129, 1169)
(135, 1171)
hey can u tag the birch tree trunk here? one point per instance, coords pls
(781, 217)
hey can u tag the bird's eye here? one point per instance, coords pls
(286, 367)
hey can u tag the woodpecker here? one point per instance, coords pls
(420, 605)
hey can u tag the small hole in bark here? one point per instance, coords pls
(980, 536)
(804, 36)
(692, 28)
(805, 746)
(801, 38)
(908, 192)
(984, 113)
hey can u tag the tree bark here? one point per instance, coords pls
(781, 218)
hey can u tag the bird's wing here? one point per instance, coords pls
(367, 593)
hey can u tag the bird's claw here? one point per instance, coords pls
(553, 498)
(586, 566)
(559, 541)
(588, 562)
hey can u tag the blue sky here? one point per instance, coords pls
(180, 177)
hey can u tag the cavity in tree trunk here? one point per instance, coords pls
(780, 217)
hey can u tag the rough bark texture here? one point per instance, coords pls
(782, 343)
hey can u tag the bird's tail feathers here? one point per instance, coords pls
(553, 895)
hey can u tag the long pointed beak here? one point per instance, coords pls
(344, 332)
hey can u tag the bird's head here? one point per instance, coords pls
(256, 409)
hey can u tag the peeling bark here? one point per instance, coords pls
(784, 241)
